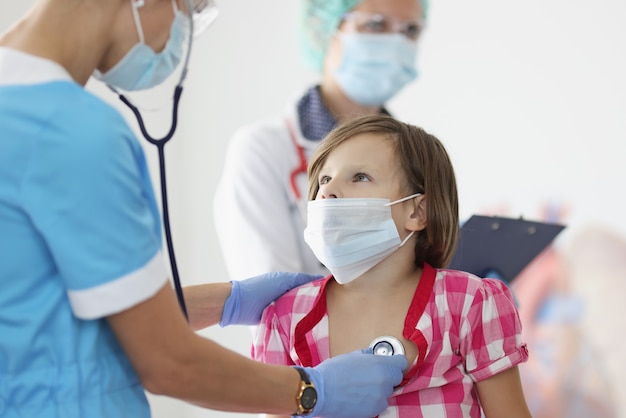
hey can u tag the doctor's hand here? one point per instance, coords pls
(249, 297)
(355, 385)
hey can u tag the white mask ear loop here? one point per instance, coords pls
(408, 237)
(135, 5)
(404, 199)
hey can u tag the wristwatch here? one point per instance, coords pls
(307, 395)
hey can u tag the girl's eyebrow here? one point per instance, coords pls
(354, 167)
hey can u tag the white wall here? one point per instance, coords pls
(529, 98)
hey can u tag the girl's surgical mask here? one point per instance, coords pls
(375, 67)
(142, 68)
(350, 236)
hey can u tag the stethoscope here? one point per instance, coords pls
(160, 144)
(387, 345)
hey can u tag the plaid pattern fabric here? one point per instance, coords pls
(466, 329)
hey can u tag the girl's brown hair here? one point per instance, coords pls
(427, 169)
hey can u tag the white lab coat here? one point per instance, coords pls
(258, 219)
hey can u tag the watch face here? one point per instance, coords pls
(309, 397)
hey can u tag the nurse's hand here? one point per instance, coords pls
(355, 385)
(248, 298)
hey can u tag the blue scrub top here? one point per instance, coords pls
(80, 239)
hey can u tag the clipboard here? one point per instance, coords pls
(501, 247)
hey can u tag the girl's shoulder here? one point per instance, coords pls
(457, 281)
(467, 289)
(301, 299)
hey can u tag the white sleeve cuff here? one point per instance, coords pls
(122, 293)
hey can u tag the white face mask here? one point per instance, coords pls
(142, 68)
(350, 236)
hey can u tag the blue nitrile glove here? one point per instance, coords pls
(355, 385)
(248, 298)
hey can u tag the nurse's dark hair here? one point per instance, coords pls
(427, 169)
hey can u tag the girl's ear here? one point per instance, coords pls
(418, 216)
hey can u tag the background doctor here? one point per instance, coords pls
(87, 315)
(366, 53)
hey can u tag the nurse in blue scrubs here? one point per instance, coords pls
(88, 318)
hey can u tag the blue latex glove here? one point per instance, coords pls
(355, 385)
(248, 298)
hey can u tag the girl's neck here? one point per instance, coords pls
(374, 304)
(396, 273)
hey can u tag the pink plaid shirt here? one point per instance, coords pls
(466, 329)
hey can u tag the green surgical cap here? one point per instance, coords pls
(318, 22)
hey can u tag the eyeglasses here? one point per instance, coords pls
(364, 22)
(203, 13)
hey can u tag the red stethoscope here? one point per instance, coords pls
(302, 165)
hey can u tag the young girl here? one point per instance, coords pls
(383, 217)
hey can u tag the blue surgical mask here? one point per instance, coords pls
(375, 67)
(142, 68)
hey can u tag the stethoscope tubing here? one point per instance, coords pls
(160, 144)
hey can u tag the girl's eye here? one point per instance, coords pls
(361, 177)
(324, 179)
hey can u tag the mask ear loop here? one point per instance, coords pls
(404, 199)
(408, 237)
(135, 5)
(160, 144)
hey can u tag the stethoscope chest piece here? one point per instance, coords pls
(387, 346)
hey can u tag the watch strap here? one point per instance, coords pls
(306, 392)
(303, 375)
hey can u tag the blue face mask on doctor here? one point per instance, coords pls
(375, 67)
(142, 68)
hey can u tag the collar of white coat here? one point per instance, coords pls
(291, 117)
